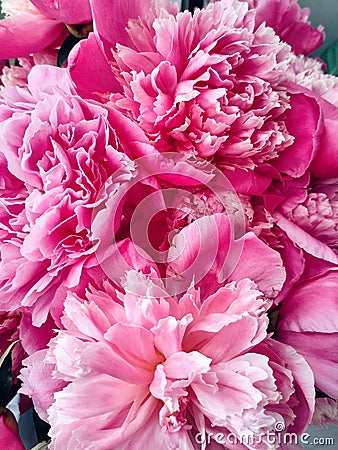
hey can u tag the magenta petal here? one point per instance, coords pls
(304, 123)
(9, 436)
(325, 163)
(111, 18)
(27, 33)
(71, 12)
(91, 80)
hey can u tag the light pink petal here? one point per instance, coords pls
(134, 344)
(173, 328)
(42, 392)
(28, 33)
(106, 420)
(261, 264)
(234, 339)
(236, 391)
(193, 256)
(184, 365)
(100, 358)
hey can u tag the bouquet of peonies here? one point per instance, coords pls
(169, 224)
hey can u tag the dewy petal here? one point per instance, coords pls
(28, 33)
(70, 12)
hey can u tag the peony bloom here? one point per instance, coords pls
(162, 218)
(218, 371)
(9, 434)
(217, 92)
(318, 213)
(290, 22)
(307, 211)
(308, 323)
(57, 151)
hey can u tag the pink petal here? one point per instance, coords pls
(261, 264)
(42, 392)
(91, 80)
(28, 33)
(70, 12)
(9, 435)
(325, 163)
(304, 240)
(295, 159)
(111, 18)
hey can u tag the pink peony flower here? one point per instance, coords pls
(168, 209)
(307, 322)
(307, 211)
(222, 96)
(318, 213)
(218, 371)
(57, 151)
(290, 22)
(9, 434)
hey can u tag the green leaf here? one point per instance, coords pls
(65, 49)
(330, 56)
(7, 352)
(41, 446)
